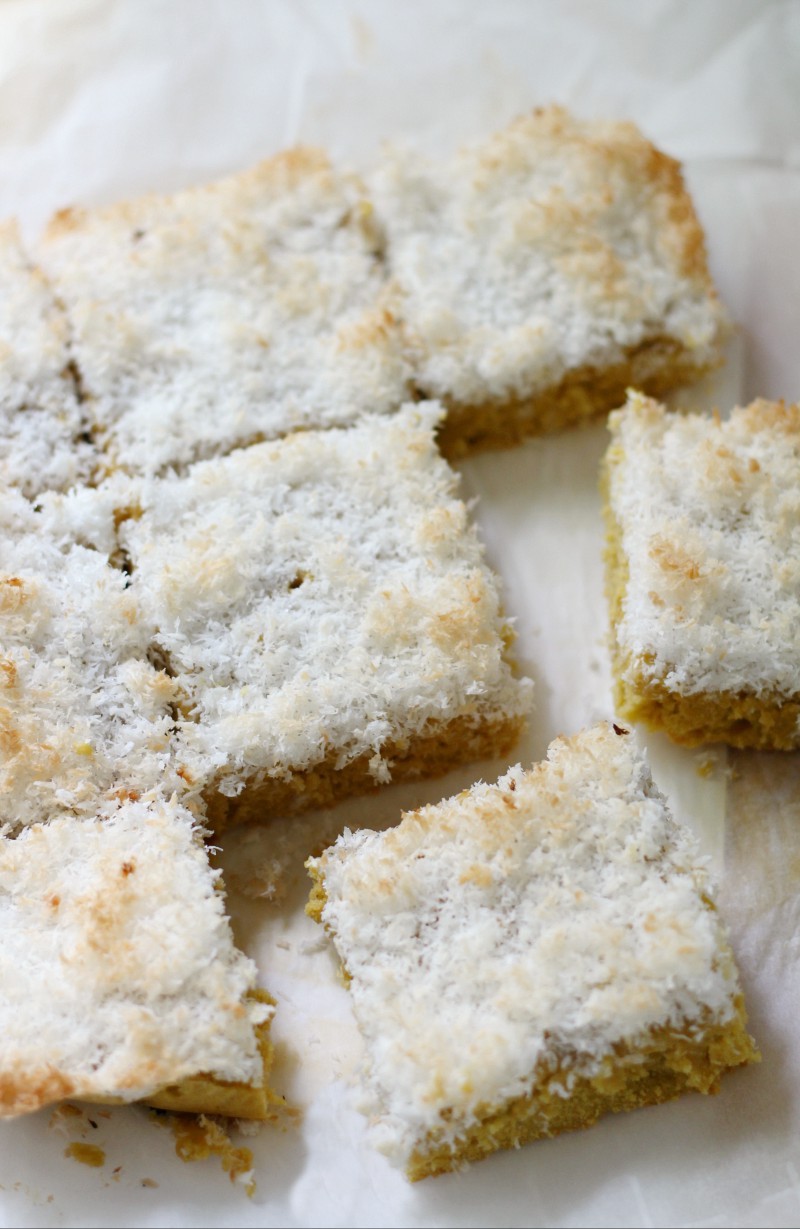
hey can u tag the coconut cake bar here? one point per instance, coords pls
(228, 313)
(542, 272)
(121, 980)
(327, 616)
(703, 571)
(527, 956)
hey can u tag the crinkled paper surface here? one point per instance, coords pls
(102, 100)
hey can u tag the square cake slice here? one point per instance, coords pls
(228, 313)
(120, 977)
(543, 272)
(324, 607)
(527, 956)
(703, 572)
(42, 444)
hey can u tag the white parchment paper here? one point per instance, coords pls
(102, 100)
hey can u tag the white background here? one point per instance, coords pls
(99, 101)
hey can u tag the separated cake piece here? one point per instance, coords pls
(120, 977)
(527, 956)
(543, 272)
(325, 610)
(41, 431)
(229, 313)
(704, 572)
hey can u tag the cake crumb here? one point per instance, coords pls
(198, 1137)
(62, 1115)
(705, 765)
(713, 762)
(86, 1154)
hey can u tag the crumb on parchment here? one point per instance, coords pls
(199, 1136)
(86, 1154)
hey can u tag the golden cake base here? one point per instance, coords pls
(764, 722)
(760, 723)
(656, 367)
(204, 1094)
(665, 1066)
(442, 747)
(668, 1063)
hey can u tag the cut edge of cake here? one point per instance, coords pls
(584, 396)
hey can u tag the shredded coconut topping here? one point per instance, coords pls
(84, 715)
(40, 423)
(228, 313)
(118, 967)
(553, 245)
(323, 594)
(709, 514)
(521, 929)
